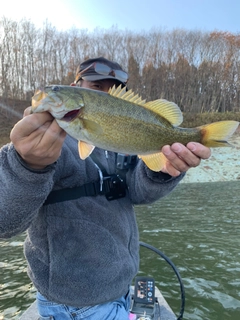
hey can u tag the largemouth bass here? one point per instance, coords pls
(121, 121)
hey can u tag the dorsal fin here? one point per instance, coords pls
(129, 95)
(166, 109)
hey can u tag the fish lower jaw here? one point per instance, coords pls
(64, 115)
(58, 115)
(67, 116)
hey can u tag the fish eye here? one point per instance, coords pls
(55, 88)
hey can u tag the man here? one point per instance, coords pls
(82, 252)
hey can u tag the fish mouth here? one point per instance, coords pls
(71, 115)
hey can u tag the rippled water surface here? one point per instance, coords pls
(197, 227)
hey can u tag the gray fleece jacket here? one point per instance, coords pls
(80, 252)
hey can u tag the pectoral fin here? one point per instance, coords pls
(154, 162)
(84, 149)
(92, 127)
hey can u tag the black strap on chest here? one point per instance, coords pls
(90, 189)
(112, 186)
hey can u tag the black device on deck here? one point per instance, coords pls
(143, 302)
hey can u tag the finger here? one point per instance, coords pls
(30, 123)
(199, 150)
(186, 155)
(176, 156)
(53, 135)
(170, 170)
(42, 146)
(27, 111)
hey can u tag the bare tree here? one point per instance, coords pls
(198, 70)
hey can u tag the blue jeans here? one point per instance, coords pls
(114, 310)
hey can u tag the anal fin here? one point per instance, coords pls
(155, 161)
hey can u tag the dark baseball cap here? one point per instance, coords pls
(100, 69)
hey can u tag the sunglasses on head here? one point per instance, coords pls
(103, 69)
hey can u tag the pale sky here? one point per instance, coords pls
(134, 15)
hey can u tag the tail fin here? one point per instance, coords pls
(216, 134)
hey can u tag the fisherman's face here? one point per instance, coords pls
(100, 85)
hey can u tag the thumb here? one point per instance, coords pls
(27, 111)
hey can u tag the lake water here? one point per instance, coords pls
(197, 227)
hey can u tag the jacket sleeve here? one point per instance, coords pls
(146, 186)
(22, 191)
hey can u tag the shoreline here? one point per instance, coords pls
(223, 165)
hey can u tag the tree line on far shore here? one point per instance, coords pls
(200, 71)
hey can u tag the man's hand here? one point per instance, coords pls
(181, 158)
(38, 139)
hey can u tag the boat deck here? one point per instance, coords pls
(166, 312)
